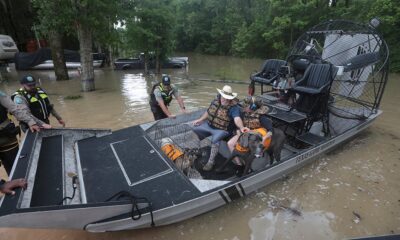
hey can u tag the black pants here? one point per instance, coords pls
(157, 112)
(8, 158)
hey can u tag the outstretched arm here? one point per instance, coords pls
(165, 109)
(201, 119)
(20, 110)
(57, 116)
(234, 112)
(8, 187)
(181, 104)
(239, 124)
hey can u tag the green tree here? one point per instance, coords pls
(53, 23)
(86, 19)
(388, 11)
(150, 29)
(91, 16)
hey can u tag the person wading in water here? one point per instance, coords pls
(161, 96)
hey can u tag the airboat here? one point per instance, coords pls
(327, 90)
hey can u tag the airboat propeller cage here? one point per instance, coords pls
(361, 56)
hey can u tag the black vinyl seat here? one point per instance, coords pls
(316, 80)
(313, 94)
(269, 72)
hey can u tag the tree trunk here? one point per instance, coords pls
(158, 66)
(57, 54)
(146, 63)
(87, 71)
(110, 56)
(11, 21)
(158, 69)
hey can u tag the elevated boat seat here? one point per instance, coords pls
(269, 72)
(316, 80)
(313, 89)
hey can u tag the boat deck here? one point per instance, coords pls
(120, 161)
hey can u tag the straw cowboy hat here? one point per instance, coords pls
(227, 93)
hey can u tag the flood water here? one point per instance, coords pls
(352, 191)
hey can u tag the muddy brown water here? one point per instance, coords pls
(352, 191)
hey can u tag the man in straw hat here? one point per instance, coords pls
(222, 116)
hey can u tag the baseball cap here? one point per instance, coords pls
(166, 80)
(28, 79)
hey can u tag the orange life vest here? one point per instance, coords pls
(171, 151)
(263, 133)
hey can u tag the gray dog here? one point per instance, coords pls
(248, 147)
(277, 142)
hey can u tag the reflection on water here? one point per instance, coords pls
(134, 89)
(284, 225)
(359, 178)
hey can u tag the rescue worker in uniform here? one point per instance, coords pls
(8, 131)
(223, 117)
(161, 96)
(36, 99)
(254, 117)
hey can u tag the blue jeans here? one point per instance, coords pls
(205, 130)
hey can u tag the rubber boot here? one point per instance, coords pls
(213, 154)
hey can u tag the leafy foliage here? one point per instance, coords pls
(150, 28)
(267, 28)
(247, 28)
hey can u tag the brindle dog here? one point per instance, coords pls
(185, 163)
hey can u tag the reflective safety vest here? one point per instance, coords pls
(166, 95)
(171, 151)
(252, 119)
(260, 131)
(39, 103)
(218, 115)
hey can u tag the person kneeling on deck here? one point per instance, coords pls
(36, 99)
(161, 96)
(254, 117)
(222, 115)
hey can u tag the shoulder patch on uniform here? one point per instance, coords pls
(18, 100)
(2, 94)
